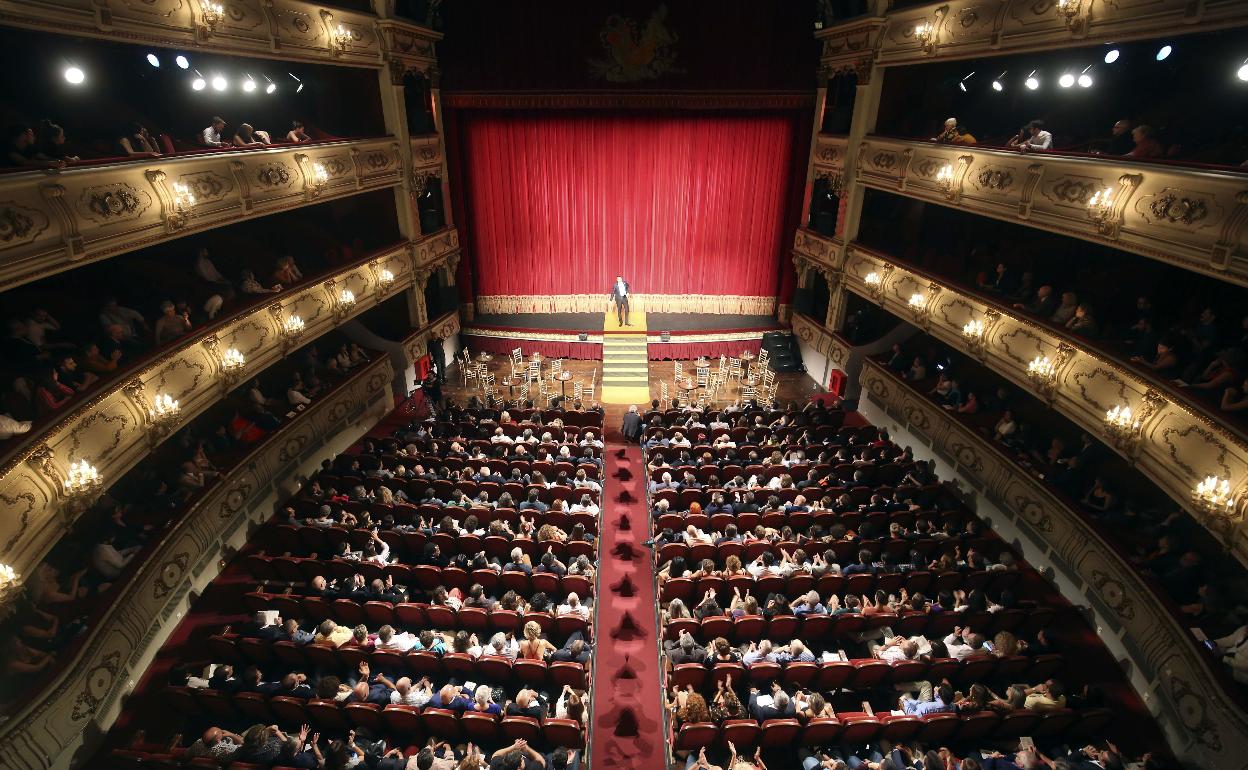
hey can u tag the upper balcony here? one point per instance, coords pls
(965, 29)
(53, 221)
(289, 30)
(1189, 217)
(1177, 443)
(116, 428)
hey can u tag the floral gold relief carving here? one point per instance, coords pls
(291, 448)
(884, 160)
(1085, 380)
(19, 506)
(994, 179)
(274, 175)
(98, 449)
(1175, 440)
(377, 161)
(195, 369)
(1193, 711)
(928, 167)
(19, 224)
(96, 686)
(1174, 208)
(261, 333)
(1033, 512)
(171, 573)
(1114, 595)
(335, 166)
(117, 201)
(1073, 191)
(1017, 342)
(207, 186)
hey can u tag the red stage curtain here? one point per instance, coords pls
(678, 204)
(552, 348)
(689, 351)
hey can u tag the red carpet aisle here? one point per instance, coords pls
(628, 705)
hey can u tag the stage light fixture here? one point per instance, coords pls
(1111, 56)
(962, 82)
(1242, 72)
(153, 60)
(997, 85)
(74, 76)
(1085, 81)
(1032, 82)
(298, 88)
(1066, 81)
(1164, 52)
(199, 84)
(219, 83)
(270, 88)
(182, 62)
(249, 84)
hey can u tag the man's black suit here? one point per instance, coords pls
(621, 301)
(632, 426)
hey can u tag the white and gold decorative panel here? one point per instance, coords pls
(1196, 219)
(1179, 443)
(979, 28)
(276, 29)
(51, 222)
(85, 692)
(820, 251)
(827, 344)
(112, 430)
(1191, 697)
(829, 155)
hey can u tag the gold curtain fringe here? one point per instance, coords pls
(716, 304)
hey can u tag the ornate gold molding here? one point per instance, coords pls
(1179, 444)
(92, 213)
(111, 430)
(290, 30)
(1196, 219)
(1211, 726)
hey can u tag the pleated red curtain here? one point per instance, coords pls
(678, 204)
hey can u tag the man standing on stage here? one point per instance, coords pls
(619, 295)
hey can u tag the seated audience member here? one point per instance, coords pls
(246, 136)
(1121, 138)
(1018, 139)
(216, 744)
(139, 143)
(249, 285)
(297, 133)
(952, 133)
(1147, 145)
(1039, 138)
(51, 143)
(21, 151)
(780, 706)
(287, 272)
(211, 136)
(171, 324)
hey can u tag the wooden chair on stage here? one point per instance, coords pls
(704, 376)
(587, 392)
(578, 391)
(665, 400)
(749, 392)
(466, 368)
(535, 371)
(556, 368)
(734, 369)
(517, 363)
(764, 357)
(680, 372)
(524, 390)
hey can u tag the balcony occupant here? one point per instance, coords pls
(139, 143)
(247, 136)
(212, 134)
(1039, 139)
(51, 145)
(21, 152)
(297, 133)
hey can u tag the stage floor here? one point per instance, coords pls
(655, 322)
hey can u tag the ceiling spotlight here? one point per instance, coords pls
(1085, 81)
(297, 80)
(152, 60)
(1066, 81)
(219, 83)
(74, 76)
(962, 83)
(1164, 52)
(198, 84)
(299, 90)
(962, 86)
(997, 84)
(1242, 73)
(270, 88)
(1032, 82)
(1111, 56)
(182, 62)
(249, 85)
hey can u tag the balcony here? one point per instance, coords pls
(1196, 219)
(966, 29)
(1177, 445)
(283, 29)
(113, 429)
(92, 677)
(54, 221)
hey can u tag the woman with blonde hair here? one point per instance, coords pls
(534, 647)
(676, 610)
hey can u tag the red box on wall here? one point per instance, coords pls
(423, 365)
(836, 383)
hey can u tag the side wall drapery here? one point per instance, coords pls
(678, 204)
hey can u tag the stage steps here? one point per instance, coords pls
(626, 364)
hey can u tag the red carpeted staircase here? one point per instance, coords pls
(627, 731)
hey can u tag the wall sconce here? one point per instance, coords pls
(1043, 375)
(292, 327)
(875, 285)
(342, 39)
(346, 301)
(1213, 497)
(163, 414)
(973, 333)
(1101, 209)
(944, 178)
(11, 586)
(212, 15)
(925, 33)
(183, 202)
(1122, 428)
(320, 178)
(386, 279)
(917, 302)
(82, 486)
(232, 364)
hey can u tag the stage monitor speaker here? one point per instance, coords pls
(665, 336)
(583, 336)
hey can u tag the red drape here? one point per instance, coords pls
(554, 348)
(688, 351)
(678, 204)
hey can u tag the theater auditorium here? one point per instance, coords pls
(643, 385)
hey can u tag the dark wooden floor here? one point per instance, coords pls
(794, 386)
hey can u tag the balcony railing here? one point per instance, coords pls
(113, 430)
(965, 29)
(52, 221)
(290, 30)
(1177, 444)
(1201, 717)
(103, 667)
(1195, 219)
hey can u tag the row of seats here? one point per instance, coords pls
(865, 673)
(295, 569)
(858, 729)
(851, 520)
(885, 473)
(926, 583)
(283, 538)
(414, 616)
(894, 549)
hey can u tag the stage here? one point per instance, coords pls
(558, 334)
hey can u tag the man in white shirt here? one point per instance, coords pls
(10, 427)
(108, 561)
(897, 649)
(1040, 139)
(573, 606)
(212, 134)
(619, 295)
(1233, 649)
(500, 437)
(589, 440)
(961, 645)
